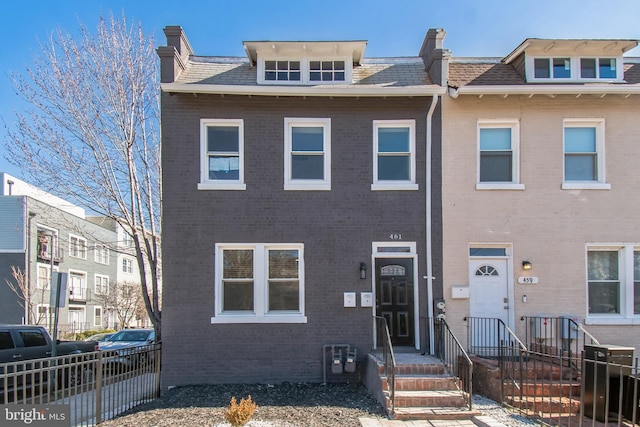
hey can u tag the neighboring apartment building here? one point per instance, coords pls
(41, 233)
(300, 188)
(540, 187)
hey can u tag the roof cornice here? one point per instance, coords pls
(506, 90)
(347, 91)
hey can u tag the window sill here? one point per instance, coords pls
(295, 186)
(222, 186)
(394, 187)
(593, 320)
(499, 186)
(222, 319)
(581, 185)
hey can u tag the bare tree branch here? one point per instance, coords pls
(91, 134)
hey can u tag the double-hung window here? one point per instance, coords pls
(101, 284)
(101, 254)
(307, 164)
(584, 165)
(498, 155)
(259, 283)
(222, 154)
(394, 151)
(613, 284)
(77, 247)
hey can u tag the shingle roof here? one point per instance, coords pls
(493, 72)
(235, 71)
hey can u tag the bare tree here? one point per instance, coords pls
(27, 296)
(91, 133)
(125, 300)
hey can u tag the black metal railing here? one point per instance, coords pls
(93, 387)
(455, 359)
(384, 349)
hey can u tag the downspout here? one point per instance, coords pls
(429, 277)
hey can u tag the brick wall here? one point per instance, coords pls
(337, 228)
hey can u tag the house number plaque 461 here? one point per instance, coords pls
(395, 236)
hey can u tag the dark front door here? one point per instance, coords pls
(394, 298)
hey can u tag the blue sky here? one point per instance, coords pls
(392, 27)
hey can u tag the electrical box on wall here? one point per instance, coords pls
(349, 299)
(459, 292)
(366, 299)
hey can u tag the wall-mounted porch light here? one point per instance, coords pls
(526, 265)
(363, 270)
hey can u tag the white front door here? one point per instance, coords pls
(488, 300)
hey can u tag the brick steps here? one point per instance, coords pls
(424, 391)
(545, 404)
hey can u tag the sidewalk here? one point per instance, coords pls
(482, 421)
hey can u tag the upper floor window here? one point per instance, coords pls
(307, 164)
(101, 284)
(305, 71)
(77, 247)
(282, 71)
(326, 71)
(584, 165)
(598, 68)
(48, 243)
(394, 145)
(574, 68)
(222, 154)
(498, 155)
(259, 283)
(101, 254)
(127, 265)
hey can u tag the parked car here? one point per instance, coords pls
(104, 336)
(127, 349)
(25, 361)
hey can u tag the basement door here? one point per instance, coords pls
(394, 298)
(488, 299)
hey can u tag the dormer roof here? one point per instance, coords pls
(298, 49)
(582, 47)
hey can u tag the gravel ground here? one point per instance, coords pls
(283, 405)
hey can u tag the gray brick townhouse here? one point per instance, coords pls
(301, 188)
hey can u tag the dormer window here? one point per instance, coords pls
(305, 63)
(306, 71)
(326, 71)
(574, 68)
(282, 71)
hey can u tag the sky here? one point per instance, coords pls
(391, 27)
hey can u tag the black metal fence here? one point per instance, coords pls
(93, 386)
(384, 349)
(455, 359)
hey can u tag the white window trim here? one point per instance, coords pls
(122, 265)
(48, 268)
(98, 250)
(515, 184)
(210, 184)
(83, 310)
(260, 314)
(575, 69)
(626, 279)
(386, 185)
(304, 70)
(96, 308)
(79, 239)
(307, 184)
(95, 282)
(601, 183)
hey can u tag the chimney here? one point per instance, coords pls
(435, 57)
(174, 56)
